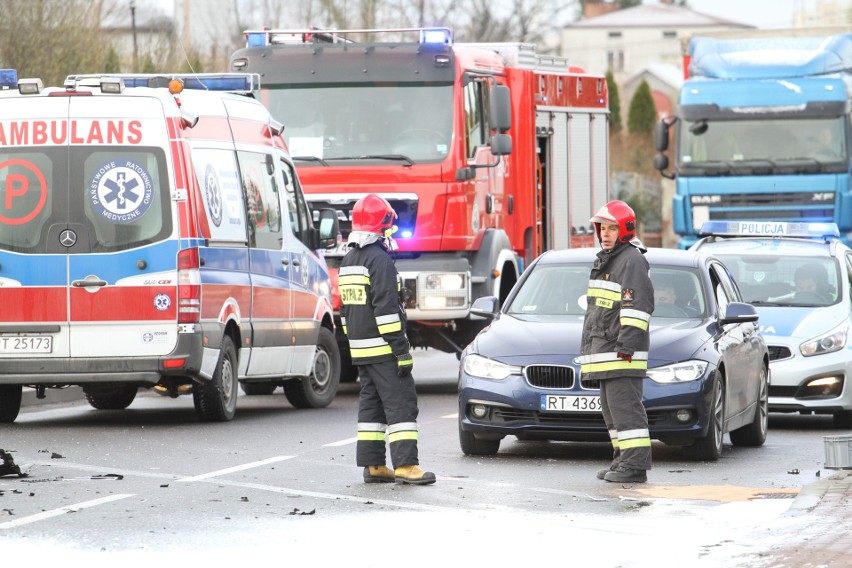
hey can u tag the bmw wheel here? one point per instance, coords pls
(754, 434)
(473, 446)
(709, 448)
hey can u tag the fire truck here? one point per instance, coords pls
(489, 153)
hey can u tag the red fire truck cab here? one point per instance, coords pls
(489, 153)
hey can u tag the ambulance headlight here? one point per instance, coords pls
(834, 340)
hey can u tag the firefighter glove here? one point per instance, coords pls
(625, 356)
(404, 364)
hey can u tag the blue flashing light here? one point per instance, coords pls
(8, 78)
(439, 36)
(769, 229)
(257, 39)
(406, 234)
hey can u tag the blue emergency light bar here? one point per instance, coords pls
(228, 82)
(8, 78)
(769, 229)
(259, 38)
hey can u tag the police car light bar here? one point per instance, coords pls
(768, 229)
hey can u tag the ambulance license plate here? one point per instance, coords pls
(26, 344)
(570, 403)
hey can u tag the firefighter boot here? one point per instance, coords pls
(378, 474)
(626, 475)
(603, 472)
(413, 475)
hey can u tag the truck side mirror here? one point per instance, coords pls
(661, 137)
(661, 162)
(501, 144)
(329, 229)
(501, 108)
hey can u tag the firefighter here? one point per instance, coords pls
(374, 321)
(615, 339)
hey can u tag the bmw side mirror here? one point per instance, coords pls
(738, 312)
(486, 307)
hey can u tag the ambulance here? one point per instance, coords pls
(154, 235)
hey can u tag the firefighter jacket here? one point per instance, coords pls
(620, 301)
(372, 316)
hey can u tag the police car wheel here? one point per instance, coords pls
(10, 402)
(319, 388)
(709, 448)
(216, 400)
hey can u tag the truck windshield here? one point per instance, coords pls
(770, 143)
(412, 121)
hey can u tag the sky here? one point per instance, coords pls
(759, 13)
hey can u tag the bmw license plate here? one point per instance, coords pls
(570, 403)
(26, 344)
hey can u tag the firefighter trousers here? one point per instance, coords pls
(387, 408)
(624, 414)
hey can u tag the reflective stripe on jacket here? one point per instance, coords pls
(371, 315)
(620, 300)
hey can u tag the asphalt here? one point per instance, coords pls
(826, 505)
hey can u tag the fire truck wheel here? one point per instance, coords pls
(10, 402)
(110, 398)
(216, 400)
(320, 388)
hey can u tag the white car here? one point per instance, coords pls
(798, 277)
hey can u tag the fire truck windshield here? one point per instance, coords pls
(776, 145)
(337, 121)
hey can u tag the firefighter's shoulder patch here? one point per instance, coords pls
(627, 295)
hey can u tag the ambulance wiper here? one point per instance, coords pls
(310, 159)
(400, 157)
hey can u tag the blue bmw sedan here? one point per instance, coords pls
(708, 365)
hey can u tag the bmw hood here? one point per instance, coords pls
(801, 323)
(548, 339)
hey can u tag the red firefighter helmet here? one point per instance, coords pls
(616, 213)
(372, 214)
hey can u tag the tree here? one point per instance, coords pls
(112, 63)
(643, 113)
(614, 104)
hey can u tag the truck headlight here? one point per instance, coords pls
(443, 290)
(678, 372)
(485, 368)
(834, 340)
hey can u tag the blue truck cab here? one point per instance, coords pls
(761, 132)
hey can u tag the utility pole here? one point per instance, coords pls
(133, 25)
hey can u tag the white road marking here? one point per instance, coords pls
(345, 442)
(236, 468)
(63, 510)
(456, 415)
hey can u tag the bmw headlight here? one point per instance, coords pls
(678, 372)
(834, 340)
(485, 368)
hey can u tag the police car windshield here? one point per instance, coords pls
(404, 122)
(784, 280)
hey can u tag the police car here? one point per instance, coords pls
(798, 276)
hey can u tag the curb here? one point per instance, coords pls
(812, 494)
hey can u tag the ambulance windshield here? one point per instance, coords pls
(351, 121)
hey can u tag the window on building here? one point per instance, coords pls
(614, 34)
(669, 34)
(615, 60)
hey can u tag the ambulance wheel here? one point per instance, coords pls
(110, 398)
(319, 388)
(216, 400)
(10, 402)
(348, 371)
(258, 388)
